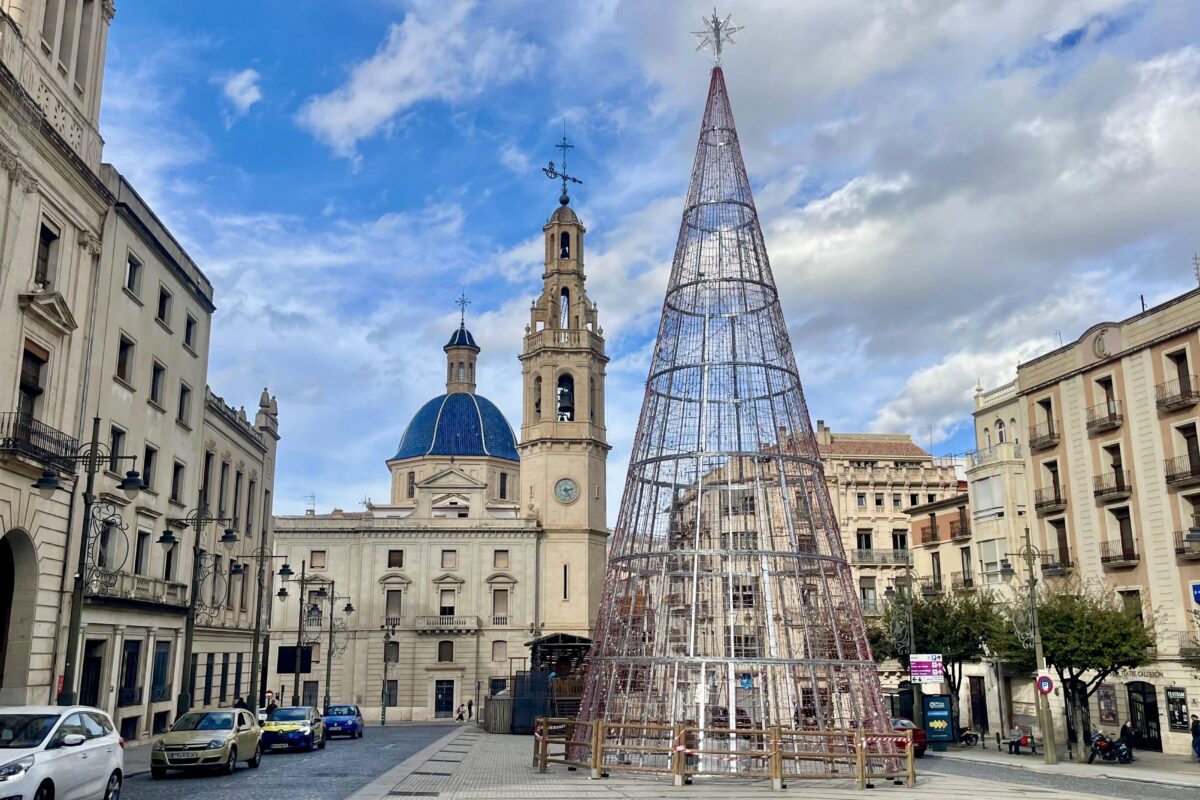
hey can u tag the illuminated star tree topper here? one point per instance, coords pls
(716, 35)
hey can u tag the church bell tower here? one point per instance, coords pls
(564, 447)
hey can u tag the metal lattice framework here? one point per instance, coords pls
(728, 600)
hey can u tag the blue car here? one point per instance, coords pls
(343, 721)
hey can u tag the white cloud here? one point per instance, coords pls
(514, 159)
(241, 89)
(436, 53)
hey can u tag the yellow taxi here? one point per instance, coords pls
(294, 728)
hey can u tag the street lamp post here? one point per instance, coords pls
(288, 576)
(902, 631)
(389, 632)
(204, 565)
(261, 556)
(90, 456)
(333, 648)
(1030, 553)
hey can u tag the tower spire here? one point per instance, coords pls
(728, 595)
(561, 174)
(462, 302)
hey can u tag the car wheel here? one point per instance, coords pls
(44, 792)
(321, 746)
(158, 773)
(113, 790)
(311, 744)
(360, 733)
(254, 762)
(231, 762)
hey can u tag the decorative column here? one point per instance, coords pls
(115, 672)
(147, 684)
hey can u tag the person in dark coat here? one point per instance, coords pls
(1127, 737)
(240, 703)
(1196, 736)
(471, 709)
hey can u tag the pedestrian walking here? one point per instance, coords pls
(471, 709)
(461, 713)
(271, 708)
(240, 703)
(1127, 737)
(1196, 736)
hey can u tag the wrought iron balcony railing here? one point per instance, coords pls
(1112, 485)
(22, 435)
(1004, 451)
(1043, 435)
(866, 556)
(1185, 549)
(1105, 417)
(960, 529)
(1182, 392)
(1119, 553)
(929, 534)
(962, 580)
(129, 696)
(159, 693)
(1049, 499)
(1182, 470)
(1056, 562)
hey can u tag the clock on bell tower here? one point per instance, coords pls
(563, 446)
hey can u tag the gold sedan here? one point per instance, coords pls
(208, 740)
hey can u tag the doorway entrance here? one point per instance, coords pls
(443, 699)
(89, 676)
(1143, 716)
(18, 596)
(979, 714)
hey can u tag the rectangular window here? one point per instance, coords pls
(116, 448)
(133, 274)
(500, 559)
(746, 646)
(159, 687)
(895, 501)
(310, 692)
(67, 33)
(249, 527)
(215, 597)
(449, 559)
(929, 498)
(87, 24)
(879, 499)
(210, 664)
(566, 575)
(244, 587)
(237, 497)
(391, 652)
(189, 332)
(446, 602)
(206, 480)
(412, 484)
(224, 692)
(499, 651)
(863, 539)
(503, 485)
(169, 565)
(125, 347)
(445, 652)
(194, 673)
(149, 466)
(163, 314)
(183, 413)
(391, 693)
(237, 676)
(141, 553)
(158, 382)
(395, 559)
(223, 488)
(862, 500)
(50, 24)
(394, 597)
(913, 500)
(33, 363)
(1131, 601)
(316, 559)
(500, 604)
(46, 265)
(899, 539)
(936, 569)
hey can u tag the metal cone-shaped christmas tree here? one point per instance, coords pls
(728, 601)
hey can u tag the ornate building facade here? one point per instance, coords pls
(486, 543)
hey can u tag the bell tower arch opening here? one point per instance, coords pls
(566, 397)
(18, 591)
(564, 245)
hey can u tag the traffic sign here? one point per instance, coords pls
(270, 695)
(925, 667)
(1196, 592)
(1044, 684)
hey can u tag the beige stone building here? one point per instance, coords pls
(1099, 459)
(485, 545)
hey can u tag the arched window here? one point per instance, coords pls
(450, 371)
(564, 245)
(471, 371)
(461, 370)
(566, 398)
(592, 399)
(445, 651)
(537, 397)
(1000, 438)
(564, 307)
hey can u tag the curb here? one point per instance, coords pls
(1041, 770)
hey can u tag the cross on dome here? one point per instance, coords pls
(462, 302)
(561, 174)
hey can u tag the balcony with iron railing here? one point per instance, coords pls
(881, 557)
(1048, 500)
(1183, 392)
(870, 606)
(23, 436)
(962, 581)
(129, 696)
(931, 585)
(1182, 470)
(1189, 645)
(1105, 417)
(929, 534)
(1186, 548)
(1119, 554)
(140, 588)
(960, 529)
(1056, 562)
(1043, 435)
(1004, 451)
(1112, 486)
(159, 693)
(447, 623)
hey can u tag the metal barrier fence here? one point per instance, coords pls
(682, 752)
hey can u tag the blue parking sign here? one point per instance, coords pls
(1196, 592)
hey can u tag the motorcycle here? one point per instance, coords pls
(968, 737)
(1109, 749)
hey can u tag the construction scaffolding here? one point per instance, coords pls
(729, 611)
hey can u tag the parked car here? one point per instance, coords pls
(920, 741)
(294, 727)
(344, 721)
(60, 753)
(262, 716)
(208, 740)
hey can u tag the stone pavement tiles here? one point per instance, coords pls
(1150, 767)
(469, 764)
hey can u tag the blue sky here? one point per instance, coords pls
(945, 190)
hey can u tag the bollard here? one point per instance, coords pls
(678, 756)
(776, 758)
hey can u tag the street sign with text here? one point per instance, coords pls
(926, 667)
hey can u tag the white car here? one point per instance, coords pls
(59, 753)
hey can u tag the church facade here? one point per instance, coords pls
(487, 543)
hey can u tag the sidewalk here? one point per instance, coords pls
(1149, 767)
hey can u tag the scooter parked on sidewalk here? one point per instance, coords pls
(1109, 749)
(968, 737)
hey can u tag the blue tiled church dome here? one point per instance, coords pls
(459, 424)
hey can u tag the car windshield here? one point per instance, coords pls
(204, 721)
(25, 730)
(340, 711)
(290, 714)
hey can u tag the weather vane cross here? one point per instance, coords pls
(716, 35)
(462, 302)
(561, 174)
